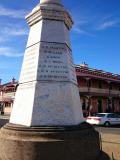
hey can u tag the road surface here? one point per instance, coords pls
(111, 130)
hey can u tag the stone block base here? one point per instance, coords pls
(49, 143)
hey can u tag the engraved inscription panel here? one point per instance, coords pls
(55, 63)
(29, 67)
(52, 62)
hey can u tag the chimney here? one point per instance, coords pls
(85, 65)
(13, 80)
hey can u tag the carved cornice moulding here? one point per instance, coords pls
(43, 13)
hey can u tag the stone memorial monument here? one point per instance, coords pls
(46, 122)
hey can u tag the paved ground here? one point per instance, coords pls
(111, 145)
(111, 130)
(104, 156)
(3, 120)
(110, 142)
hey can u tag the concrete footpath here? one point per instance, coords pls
(110, 143)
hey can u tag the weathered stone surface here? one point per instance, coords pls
(48, 92)
(49, 143)
(53, 104)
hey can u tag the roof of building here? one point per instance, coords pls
(12, 83)
(84, 70)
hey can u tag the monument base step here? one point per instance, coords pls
(49, 143)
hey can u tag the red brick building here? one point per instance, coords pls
(99, 90)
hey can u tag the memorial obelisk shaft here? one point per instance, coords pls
(48, 92)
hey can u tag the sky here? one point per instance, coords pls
(95, 36)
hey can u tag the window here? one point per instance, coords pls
(89, 83)
(110, 87)
(100, 85)
(117, 116)
(111, 116)
(100, 115)
(84, 104)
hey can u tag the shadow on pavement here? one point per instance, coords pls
(3, 122)
(112, 126)
(104, 156)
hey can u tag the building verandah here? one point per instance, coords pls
(99, 90)
(96, 104)
(7, 95)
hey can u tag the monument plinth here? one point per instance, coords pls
(46, 122)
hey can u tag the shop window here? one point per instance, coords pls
(84, 104)
(113, 105)
(100, 109)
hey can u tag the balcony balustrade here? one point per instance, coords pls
(8, 95)
(98, 91)
(83, 89)
(115, 92)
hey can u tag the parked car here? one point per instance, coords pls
(106, 119)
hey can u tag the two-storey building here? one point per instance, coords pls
(99, 90)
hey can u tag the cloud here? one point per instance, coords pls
(87, 26)
(14, 31)
(80, 24)
(78, 30)
(9, 52)
(7, 31)
(12, 12)
(107, 24)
